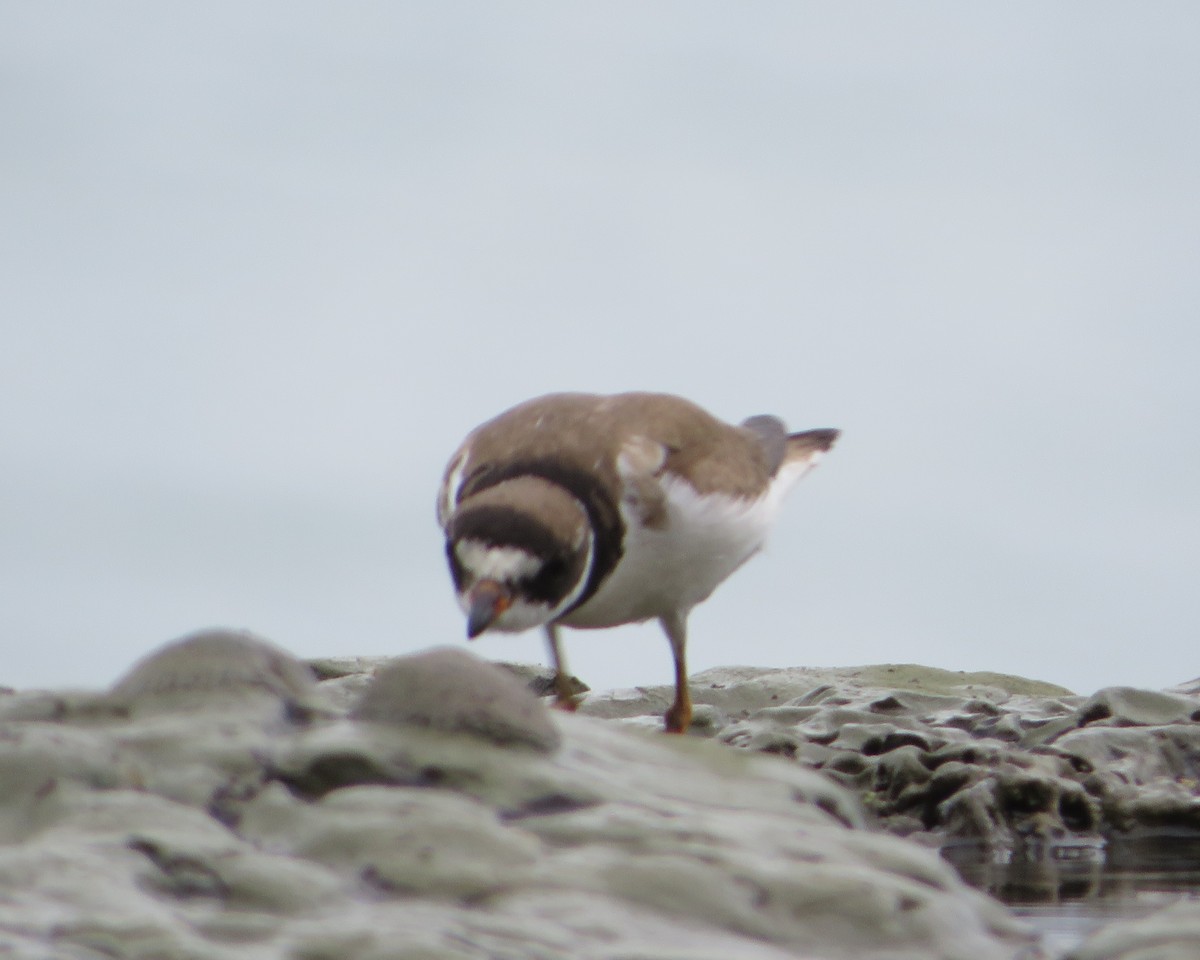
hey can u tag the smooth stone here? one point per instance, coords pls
(213, 665)
(450, 690)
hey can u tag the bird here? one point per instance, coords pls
(588, 511)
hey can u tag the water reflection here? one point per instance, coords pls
(1069, 892)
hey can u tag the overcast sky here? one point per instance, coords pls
(264, 264)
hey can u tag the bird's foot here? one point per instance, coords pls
(565, 696)
(679, 717)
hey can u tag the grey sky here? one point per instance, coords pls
(264, 264)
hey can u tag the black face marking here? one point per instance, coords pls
(608, 530)
(554, 581)
(498, 526)
(457, 574)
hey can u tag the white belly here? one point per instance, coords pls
(673, 568)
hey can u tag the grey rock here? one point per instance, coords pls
(209, 666)
(729, 844)
(1131, 707)
(451, 690)
(1188, 688)
(334, 668)
(995, 762)
(1143, 777)
(193, 832)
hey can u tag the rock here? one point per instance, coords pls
(451, 690)
(996, 763)
(1189, 688)
(631, 828)
(443, 819)
(210, 666)
(335, 668)
(1130, 707)
(1141, 776)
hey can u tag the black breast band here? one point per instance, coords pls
(604, 515)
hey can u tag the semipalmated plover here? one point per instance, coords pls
(593, 511)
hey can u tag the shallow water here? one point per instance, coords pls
(1071, 892)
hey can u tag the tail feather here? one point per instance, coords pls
(808, 445)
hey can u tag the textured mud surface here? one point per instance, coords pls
(222, 802)
(225, 800)
(1001, 762)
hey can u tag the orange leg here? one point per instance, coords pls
(564, 699)
(679, 716)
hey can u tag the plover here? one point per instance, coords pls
(587, 511)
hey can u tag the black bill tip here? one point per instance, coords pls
(487, 600)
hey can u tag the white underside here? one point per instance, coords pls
(671, 569)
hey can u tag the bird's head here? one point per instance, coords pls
(519, 553)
